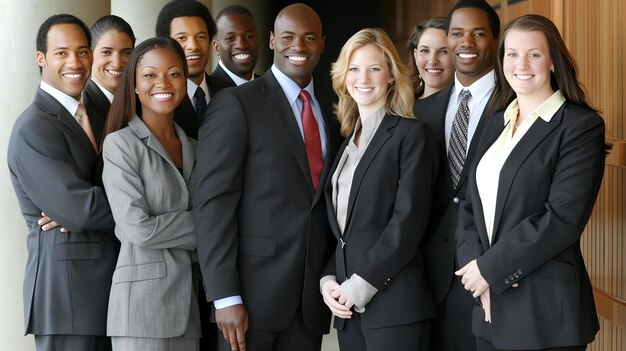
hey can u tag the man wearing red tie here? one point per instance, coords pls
(263, 237)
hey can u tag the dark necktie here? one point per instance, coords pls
(312, 139)
(200, 103)
(458, 139)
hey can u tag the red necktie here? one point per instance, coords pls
(83, 120)
(312, 139)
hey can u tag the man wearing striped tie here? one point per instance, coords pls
(457, 114)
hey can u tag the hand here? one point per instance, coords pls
(330, 292)
(232, 321)
(344, 300)
(47, 223)
(472, 280)
(485, 301)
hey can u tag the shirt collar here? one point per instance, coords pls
(479, 88)
(192, 87)
(290, 88)
(545, 111)
(372, 122)
(70, 104)
(238, 80)
(106, 93)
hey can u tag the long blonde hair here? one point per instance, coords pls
(400, 98)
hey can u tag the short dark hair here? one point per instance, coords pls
(41, 43)
(107, 23)
(411, 44)
(233, 10)
(64, 18)
(183, 8)
(126, 103)
(492, 15)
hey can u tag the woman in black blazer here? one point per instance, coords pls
(530, 193)
(378, 198)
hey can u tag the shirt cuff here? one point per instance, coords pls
(325, 279)
(359, 291)
(227, 302)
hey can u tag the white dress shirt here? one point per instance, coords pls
(192, 87)
(70, 104)
(106, 93)
(238, 80)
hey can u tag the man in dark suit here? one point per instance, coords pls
(191, 24)
(473, 28)
(263, 234)
(237, 44)
(52, 161)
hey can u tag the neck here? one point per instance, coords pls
(161, 126)
(197, 79)
(366, 111)
(428, 91)
(529, 103)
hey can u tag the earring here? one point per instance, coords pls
(136, 91)
(552, 68)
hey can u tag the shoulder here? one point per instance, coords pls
(120, 139)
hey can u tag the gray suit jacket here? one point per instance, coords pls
(68, 275)
(152, 294)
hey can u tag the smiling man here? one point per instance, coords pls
(263, 237)
(52, 157)
(190, 23)
(237, 44)
(457, 114)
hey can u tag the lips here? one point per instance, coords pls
(114, 73)
(434, 71)
(242, 57)
(524, 76)
(193, 57)
(363, 90)
(465, 55)
(77, 77)
(296, 58)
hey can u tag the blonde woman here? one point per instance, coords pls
(378, 200)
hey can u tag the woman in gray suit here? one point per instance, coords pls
(148, 162)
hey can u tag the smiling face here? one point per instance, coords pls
(66, 65)
(192, 34)
(237, 43)
(160, 83)
(368, 78)
(432, 60)
(297, 42)
(109, 58)
(471, 44)
(526, 63)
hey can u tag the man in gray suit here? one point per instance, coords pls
(52, 156)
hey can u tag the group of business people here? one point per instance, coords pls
(418, 231)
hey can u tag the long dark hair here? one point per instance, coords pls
(565, 74)
(126, 102)
(411, 45)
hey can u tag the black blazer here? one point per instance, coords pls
(97, 106)
(68, 275)
(221, 74)
(546, 192)
(262, 231)
(439, 245)
(388, 209)
(185, 115)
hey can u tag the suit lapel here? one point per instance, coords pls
(278, 103)
(384, 132)
(328, 190)
(50, 104)
(533, 137)
(491, 133)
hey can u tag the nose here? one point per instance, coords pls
(433, 58)
(73, 60)
(240, 42)
(191, 43)
(116, 60)
(298, 43)
(467, 40)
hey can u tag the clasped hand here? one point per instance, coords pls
(338, 303)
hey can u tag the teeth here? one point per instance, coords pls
(72, 75)
(296, 58)
(242, 56)
(363, 90)
(114, 72)
(162, 95)
(466, 56)
(193, 57)
(434, 70)
(524, 76)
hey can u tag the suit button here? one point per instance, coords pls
(455, 200)
(506, 281)
(511, 277)
(516, 275)
(519, 271)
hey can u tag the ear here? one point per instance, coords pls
(271, 40)
(41, 59)
(216, 47)
(415, 55)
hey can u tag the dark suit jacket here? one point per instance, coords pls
(262, 231)
(97, 106)
(185, 115)
(219, 73)
(388, 209)
(546, 192)
(439, 246)
(68, 275)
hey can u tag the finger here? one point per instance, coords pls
(332, 303)
(461, 271)
(335, 293)
(234, 344)
(348, 304)
(241, 339)
(64, 230)
(515, 285)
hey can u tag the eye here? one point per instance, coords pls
(287, 38)
(375, 69)
(149, 75)
(127, 53)
(479, 34)
(105, 52)
(310, 38)
(250, 36)
(181, 38)
(353, 69)
(60, 53)
(443, 51)
(511, 54)
(424, 51)
(83, 52)
(229, 39)
(202, 36)
(456, 34)
(534, 55)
